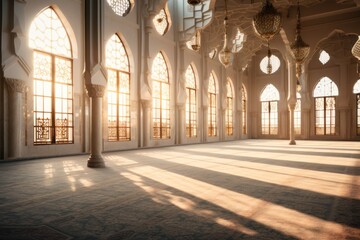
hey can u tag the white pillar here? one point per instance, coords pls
(146, 123)
(16, 88)
(96, 93)
(291, 100)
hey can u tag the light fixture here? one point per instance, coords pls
(298, 86)
(299, 49)
(267, 22)
(269, 65)
(195, 42)
(356, 52)
(225, 55)
(194, 2)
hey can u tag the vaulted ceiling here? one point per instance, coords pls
(241, 13)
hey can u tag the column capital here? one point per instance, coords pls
(15, 85)
(95, 90)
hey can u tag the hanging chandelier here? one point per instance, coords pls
(356, 53)
(299, 49)
(267, 22)
(225, 55)
(194, 2)
(196, 41)
(269, 65)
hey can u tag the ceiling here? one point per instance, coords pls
(241, 12)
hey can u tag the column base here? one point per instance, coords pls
(96, 161)
(292, 142)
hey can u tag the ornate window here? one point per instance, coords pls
(275, 63)
(297, 114)
(356, 91)
(212, 125)
(121, 7)
(244, 109)
(229, 109)
(238, 41)
(161, 98)
(118, 90)
(324, 57)
(161, 22)
(191, 108)
(269, 110)
(53, 81)
(324, 94)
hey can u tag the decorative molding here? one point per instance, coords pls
(95, 91)
(15, 85)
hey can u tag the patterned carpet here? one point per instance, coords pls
(253, 189)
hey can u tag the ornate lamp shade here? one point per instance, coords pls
(194, 2)
(299, 49)
(196, 43)
(226, 56)
(267, 22)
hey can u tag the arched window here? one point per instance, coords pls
(297, 114)
(118, 90)
(244, 109)
(191, 108)
(161, 22)
(121, 7)
(229, 109)
(269, 110)
(212, 124)
(161, 98)
(356, 91)
(53, 80)
(324, 94)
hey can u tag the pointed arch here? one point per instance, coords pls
(212, 108)
(244, 108)
(161, 98)
(325, 88)
(269, 110)
(118, 90)
(229, 108)
(191, 102)
(53, 79)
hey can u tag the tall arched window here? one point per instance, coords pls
(356, 90)
(324, 94)
(191, 108)
(161, 98)
(229, 109)
(53, 80)
(269, 110)
(297, 114)
(244, 109)
(212, 124)
(118, 90)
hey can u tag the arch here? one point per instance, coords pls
(270, 93)
(118, 90)
(325, 88)
(212, 86)
(229, 108)
(212, 108)
(52, 16)
(53, 79)
(191, 103)
(161, 98)
(356, 88)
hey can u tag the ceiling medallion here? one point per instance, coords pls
(226, 56)
(299, 49)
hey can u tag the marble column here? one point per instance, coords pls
(291, 100)
(96, 93)
(16, 88)
(146, 122)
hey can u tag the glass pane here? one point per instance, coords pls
(116, 55)
(120, 7)
(326, 88)
(270, 93)
(161, 22)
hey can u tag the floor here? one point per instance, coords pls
(252, 189)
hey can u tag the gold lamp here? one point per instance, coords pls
(356, 52)
(299, 49)
(225, 55)
(267, 22)
(194, 2)
(196, 41)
